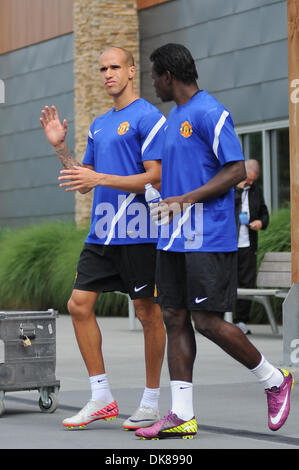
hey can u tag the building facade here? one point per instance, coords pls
(241, 53)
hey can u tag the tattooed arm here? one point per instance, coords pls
(65, 156)
(55, 132)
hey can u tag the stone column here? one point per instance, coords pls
(98, 24)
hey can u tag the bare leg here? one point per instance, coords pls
(150, 317)
(181, 349)
(87, 331)
(228, 336)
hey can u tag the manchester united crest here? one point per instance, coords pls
(186, 129)
(123, 128)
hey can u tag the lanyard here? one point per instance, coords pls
(244, 195)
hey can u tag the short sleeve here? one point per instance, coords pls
(218, 128)
(88, 158)
(151, 132)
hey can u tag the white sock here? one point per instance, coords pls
(267, 374)
(182, 399)
(100, 389)
(150, 398)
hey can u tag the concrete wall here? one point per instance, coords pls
(34, 76)
(240, 48)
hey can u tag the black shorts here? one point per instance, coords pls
(197, 281)
(124, 268)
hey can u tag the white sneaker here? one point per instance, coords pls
(243, 327)
(143, 417)
(92, 411)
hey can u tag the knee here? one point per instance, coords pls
(203, 329)
(175, 318)
(207, 324)
(141, 314)
(147, 312)
(77, 309)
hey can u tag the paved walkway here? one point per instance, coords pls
(229, 404)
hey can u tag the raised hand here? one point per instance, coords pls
(56, 133)
(54, 130)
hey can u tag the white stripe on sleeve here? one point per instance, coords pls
(90, 135)
(152, 133)
(218, 128)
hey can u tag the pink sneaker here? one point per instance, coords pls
(278, 399)
(170, 426)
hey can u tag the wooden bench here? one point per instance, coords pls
(273, 279)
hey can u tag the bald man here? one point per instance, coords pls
(123, 153)
(251, 215)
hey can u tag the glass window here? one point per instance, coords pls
(252, 145)
(271, 148)
(280, 167)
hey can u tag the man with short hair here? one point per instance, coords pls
(197, 251)
(123, 153)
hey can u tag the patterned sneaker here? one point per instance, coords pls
(170, 426)
(143, 417)
(92, 411)
(278, 399)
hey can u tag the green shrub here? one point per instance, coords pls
(276, 237)
(24, 266)
(38, 265)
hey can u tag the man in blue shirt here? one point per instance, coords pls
(123, 153)
(197, 265)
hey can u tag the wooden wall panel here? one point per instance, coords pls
(293, 54)
(26, 22)
(141, 4)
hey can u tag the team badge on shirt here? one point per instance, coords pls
(123, 128)
(186, 129)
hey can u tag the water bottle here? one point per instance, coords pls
(152, 196)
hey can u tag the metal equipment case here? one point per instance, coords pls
(28, 355)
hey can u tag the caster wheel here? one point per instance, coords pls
(51, 404)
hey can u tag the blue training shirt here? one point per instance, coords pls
(199, 140)
(118, 143)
